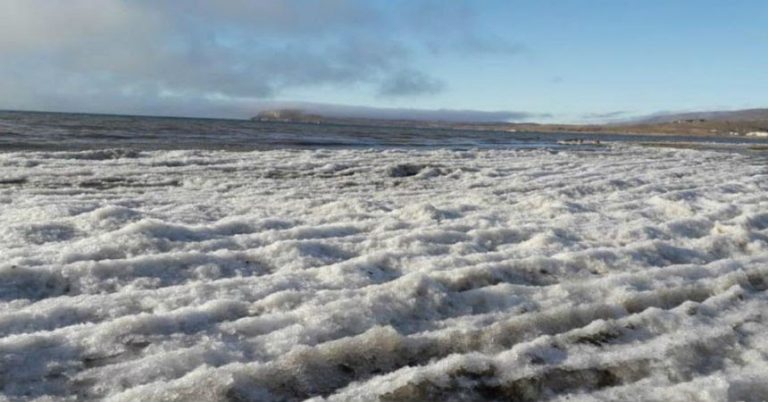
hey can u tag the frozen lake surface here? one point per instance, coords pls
(615, 273)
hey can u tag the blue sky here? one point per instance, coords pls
(563, 60)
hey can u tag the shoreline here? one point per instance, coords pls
(710, 129)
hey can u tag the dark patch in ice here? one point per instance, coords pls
(185, 161)
(40, 367)
(757, 281)
(325, 232)
(48, 233)
(599, 338)
(292, 173)
(99, 155)
(691, 228)
(106, 183)
(759, 221)
(629, 183)
(13, 181)
(466, 385)
(404, 170)
(133, 345)
(281, 174)
(662, 254)
(381, 272)
(32, 284)
(496, 275)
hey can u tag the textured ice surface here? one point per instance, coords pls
(624, 273)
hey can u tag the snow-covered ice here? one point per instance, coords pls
(623, 273)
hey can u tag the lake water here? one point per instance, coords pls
(63, 131)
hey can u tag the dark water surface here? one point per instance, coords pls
(21, 131)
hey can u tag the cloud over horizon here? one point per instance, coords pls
(182, 56)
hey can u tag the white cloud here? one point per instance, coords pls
(118, 54)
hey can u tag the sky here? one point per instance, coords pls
(543, 60)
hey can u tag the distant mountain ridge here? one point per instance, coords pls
(288, 115)
(734, 115)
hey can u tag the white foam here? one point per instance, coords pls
(610, 274)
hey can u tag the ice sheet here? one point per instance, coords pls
(611, 274)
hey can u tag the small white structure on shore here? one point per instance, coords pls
(757, 134)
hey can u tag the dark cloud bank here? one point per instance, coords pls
(211, 58)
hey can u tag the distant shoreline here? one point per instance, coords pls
(661, 130)
(700, 127)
